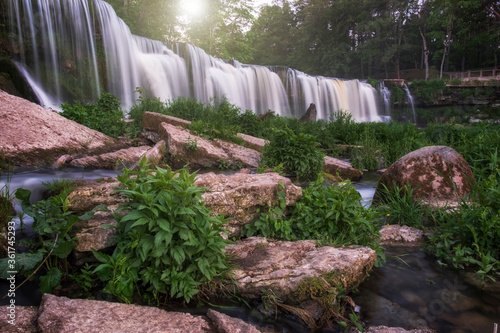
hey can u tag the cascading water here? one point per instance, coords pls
(75, 48)
(410, 101)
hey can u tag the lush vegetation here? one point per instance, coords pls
(168, 243)
(297, 154)
(105, 115)
(331, 214)
(48, 253)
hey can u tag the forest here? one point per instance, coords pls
(414, 39)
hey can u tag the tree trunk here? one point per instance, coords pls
(426, 53)
(447, 44)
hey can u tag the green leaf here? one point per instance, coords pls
(50, 280)
(63, 249)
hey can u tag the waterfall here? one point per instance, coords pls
(411, 102)
(76, 49)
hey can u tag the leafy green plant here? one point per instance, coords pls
(191, 145)
(399, 206)
(83, 279)
(334, 214)
(273, 223)
(105, 115)
(168, 243)
(298, 153)
(331, 214)
(52, 224)
(58, 185)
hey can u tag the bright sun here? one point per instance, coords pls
(192, 8)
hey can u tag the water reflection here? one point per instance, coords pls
(412, 290)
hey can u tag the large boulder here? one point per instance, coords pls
(187, 149)
(32, 135)
(438, 175)
(152, 120)
(294, 271)
(241, 196)
(253, 142)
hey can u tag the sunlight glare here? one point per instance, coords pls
(192, 8)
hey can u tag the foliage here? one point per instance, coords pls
(52, 224)
(209, 120)
(400, 207)
(426, 92)
(297, 152)
(335, 215)
(273, 223)
(168, 241)
(469, 236)
(331, 214)
(105, 115)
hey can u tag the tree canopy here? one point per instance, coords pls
(342, 38)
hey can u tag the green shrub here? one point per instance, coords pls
(105, 115)
(399, 207)
(334, 214)
(331, 214)
(298, 153)
(427, 91)
(168, 243)
(50, 249)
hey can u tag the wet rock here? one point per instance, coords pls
(396, 234)
(25, 320)
(226, 324)
(187, 149)
(241, 156)
(92, 234)
(32, 135)
(153, 155)
(111, 161)
(310, 114)
(378, 310)
(285, 267)
(62, 161)
(14, 82)
(61, 315)
(88, 194)
(253, 142)
(241, 195)
(438, 175)
(341, 169)
(152, 120)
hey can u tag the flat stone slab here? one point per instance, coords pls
(401, 235)
(21, 319)
(64, 315)
(61, 314)
(281, 266)
(114, 160)
(340, 168)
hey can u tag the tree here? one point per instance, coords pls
(271, 35)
